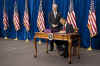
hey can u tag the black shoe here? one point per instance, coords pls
(51, 49)
(62, 54)
(66, 56)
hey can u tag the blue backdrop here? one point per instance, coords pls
(81, 8)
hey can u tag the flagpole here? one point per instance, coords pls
(53, 1)
(15, 8)
(26, 8)
(16, 36)
(40, 8)
(26, 4)
(3, 18)
(27, 37)
(90, 47)
(6, 35)
(91, 8)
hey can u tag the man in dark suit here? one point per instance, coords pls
(54, 21)
(69, 29)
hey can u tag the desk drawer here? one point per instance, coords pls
(41, 35)
(58, 37)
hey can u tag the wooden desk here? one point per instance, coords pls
(58, 36)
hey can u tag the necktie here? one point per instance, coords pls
(55, 14)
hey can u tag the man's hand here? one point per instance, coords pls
(53, 25)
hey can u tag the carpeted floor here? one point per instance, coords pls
(20, 53)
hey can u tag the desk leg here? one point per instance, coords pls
(79, 48)
(47, 46)
(35, 48)
(69, 51)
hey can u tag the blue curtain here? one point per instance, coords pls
(81, 8)
(97, 38)
(1, 7)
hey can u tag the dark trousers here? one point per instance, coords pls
(52, 44)
(53, 30)
(63, 45)
(74, 44)
(58, 44)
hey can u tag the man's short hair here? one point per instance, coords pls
(54, 5)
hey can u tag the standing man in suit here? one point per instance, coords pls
(55, 25)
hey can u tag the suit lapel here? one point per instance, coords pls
(53, 15)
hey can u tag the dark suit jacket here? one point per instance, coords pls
(69, 28)
(56, 21)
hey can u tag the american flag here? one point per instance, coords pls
(26, 20)
(40, 20)
(5, 20)
(71, 18)
(16, 19)
(92, 21)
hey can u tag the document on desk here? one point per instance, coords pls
(47, 31)
(61, 32)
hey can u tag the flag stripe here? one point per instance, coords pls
(16, 20)
(40, 21)
(5, 20)
(92, 23)
(89, 22)
(71, 19)
(26, 20)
